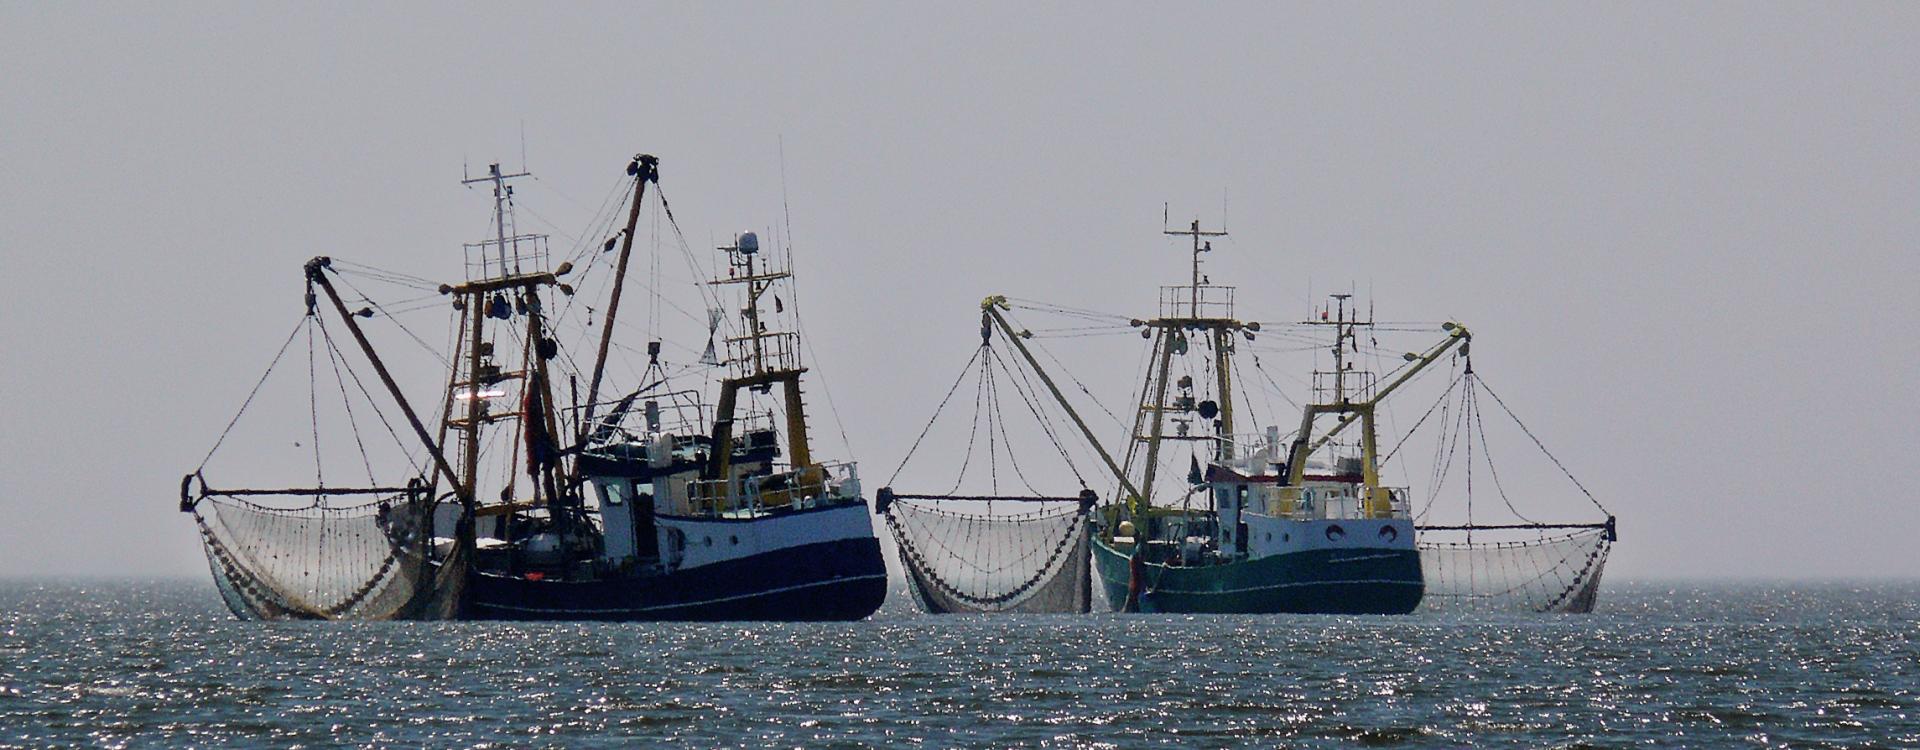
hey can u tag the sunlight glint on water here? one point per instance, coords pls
(125, 664)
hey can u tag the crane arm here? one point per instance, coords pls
(991, 307)
(1456, 335)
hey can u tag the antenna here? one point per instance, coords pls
(786, 211)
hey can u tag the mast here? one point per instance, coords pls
(645, 168)
(492, 282)
(1159, 403)
(766, 358)
(1205, 310)
(476, 304)
(502, 193)
(1341, 332)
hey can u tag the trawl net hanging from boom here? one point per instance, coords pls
(1505, 567)
(960, 555)
(980, 562)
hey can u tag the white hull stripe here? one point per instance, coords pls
(685, 605)
(1360, 558)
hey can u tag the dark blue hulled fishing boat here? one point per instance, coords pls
(655, 505)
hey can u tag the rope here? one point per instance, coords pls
(353, 425)
(686, 250)
(250, 394)
(1443, 453)
(1486, 453)
(395, 278)
(973, 431)
(313, 407)
(1259, 368)
(936, 414)
(1061, 368)
(1444, 396)
(377, 413)
(995, 419)
(1540, 445)
(1046, 426)
(402, 326)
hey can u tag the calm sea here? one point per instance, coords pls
(162, 664)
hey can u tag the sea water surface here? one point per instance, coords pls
(142, 664)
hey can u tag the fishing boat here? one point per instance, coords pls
(1283, 527)
(1263, 527)
(652, 505)
(1264, 522)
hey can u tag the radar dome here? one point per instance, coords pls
(749, 243)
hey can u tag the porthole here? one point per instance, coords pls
(1269, 536)
(707, 540)
(1284, 538)
(1335, 533)
(1389, 533)
(733, 540)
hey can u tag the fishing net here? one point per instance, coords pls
(981, 562)
(1515, 563)
(1552, 573)
(320, 562)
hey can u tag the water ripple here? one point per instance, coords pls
(146, 664)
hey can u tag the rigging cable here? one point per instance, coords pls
(362, 386)
(250, 394)
(313, 410)
(936, 415)
(353, 424)
(1444, 396)
(1046, 426)
(1541, 446)
(396, 321)
(1486, 453)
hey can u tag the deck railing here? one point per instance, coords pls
(522, 253)
(778, 351)
(1211, 302)
(1314, 503)
(794, 488)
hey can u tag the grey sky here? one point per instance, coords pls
(1684, 232)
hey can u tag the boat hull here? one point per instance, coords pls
(1349, 580)
(814, 564)
(839, 580)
